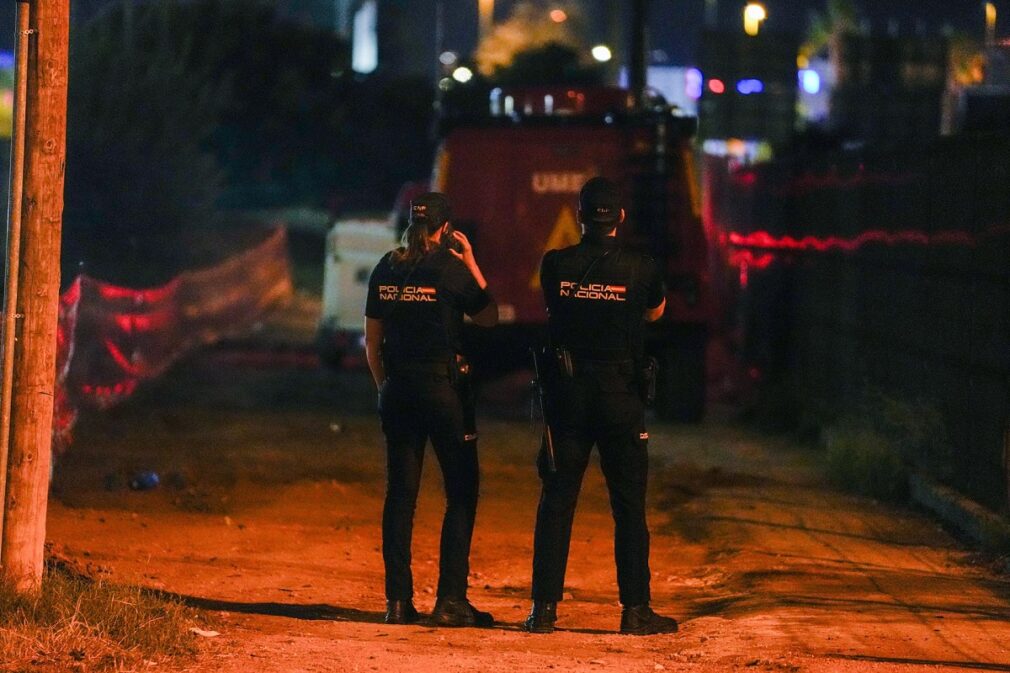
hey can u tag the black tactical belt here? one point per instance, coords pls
(437, 367)
(586, 366)
(593, 365)
(600, 355)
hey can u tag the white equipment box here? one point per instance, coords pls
(353, 248)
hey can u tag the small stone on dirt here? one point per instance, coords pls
(204, 634)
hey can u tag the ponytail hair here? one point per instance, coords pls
(415, 244)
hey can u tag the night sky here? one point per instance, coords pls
(675, 24)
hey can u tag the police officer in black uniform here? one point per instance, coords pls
(417, 296)
(598, 297)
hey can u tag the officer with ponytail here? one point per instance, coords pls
(417, 297)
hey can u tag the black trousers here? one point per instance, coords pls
(415, 408)
(605, 410)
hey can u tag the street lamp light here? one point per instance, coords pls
(462, 74)
(753, 14)
(602, 53)
(990, 23)
(485, 9)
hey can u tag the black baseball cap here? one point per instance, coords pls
(430, 209)
(600, 202)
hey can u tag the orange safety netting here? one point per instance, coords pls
(111, 338)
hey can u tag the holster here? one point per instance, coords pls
(459, 371)
(648, 372)
(461, 378)
(554, 364)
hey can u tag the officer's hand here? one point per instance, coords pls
(466, 256)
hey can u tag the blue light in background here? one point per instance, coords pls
(810, 81)
(6, 60)
(365, 48)
(692, 83)
(749, 86)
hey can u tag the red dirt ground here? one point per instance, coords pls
(268, 519)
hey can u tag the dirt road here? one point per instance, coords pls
(268, 519)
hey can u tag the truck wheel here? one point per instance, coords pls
(680, 389)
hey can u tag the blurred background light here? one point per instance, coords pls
(810, 81)
(559, 15)
(749, 86)
(602, 53)
(448, 58)
(753, 14)
(462, 74)
(6, 96)
(485, 12)
(692, 83)
(716, 86)
(365, 47)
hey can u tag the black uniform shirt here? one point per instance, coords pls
(422, 304)
(597, 293)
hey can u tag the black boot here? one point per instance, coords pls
(401, 612)
(640, 620)
(459, 612)
(543, 614)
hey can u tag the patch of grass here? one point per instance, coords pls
(881, 438)
(783, 407)
(863, 460)
(873, 439)
(82, 624)
(916, 428)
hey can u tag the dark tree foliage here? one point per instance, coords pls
(385, 138)
(138, 171)
(553, 63)
(465, 101)
(277, 132)
(182, 107)
(549, 65)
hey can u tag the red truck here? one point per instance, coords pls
(513, 177)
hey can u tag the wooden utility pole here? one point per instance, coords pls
(38, 292)
(13, 266)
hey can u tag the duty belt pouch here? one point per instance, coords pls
(647, 375)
